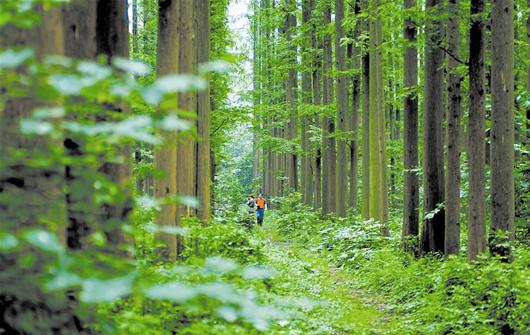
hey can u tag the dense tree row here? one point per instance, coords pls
(358, 65)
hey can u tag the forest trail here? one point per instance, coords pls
(327, 301)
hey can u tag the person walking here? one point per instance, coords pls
(251, 204)
(261, 203)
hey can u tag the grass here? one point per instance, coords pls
(320, 297)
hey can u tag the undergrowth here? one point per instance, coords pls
(428, 295)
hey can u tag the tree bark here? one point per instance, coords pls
(377, 126)
(410, 142)
(365, 72)
(432, 239)
(203, 111)
(185, 164)
(291, 87)
(476, 132)
(329, 151)
(166, 156)
(307, 154)
(452, 184)
(30, 196)
(354, 58)
(342, 110)
(502, 129)
(79, 22)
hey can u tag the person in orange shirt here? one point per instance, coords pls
(261, 203)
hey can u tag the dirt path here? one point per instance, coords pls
(323, 298)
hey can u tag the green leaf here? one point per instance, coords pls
(8, 242)
(62, 280)
(131, 66)
(43, 240)
(68, 84)
(218, 66)
(254, 272)
(188, 201)
(48, 112)
(93, 72)
(34, 127)
(13, 58)
(174, 291)
(174, 123)
(220, 265)
(106, 290)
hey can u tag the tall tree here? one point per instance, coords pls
(354, 56)
(432, 239)
(29, 195)
(203, 111)
(502, 128)
(316, 44)
(166, 157)
(79, 21)
(342, 110)
(291, 88)
(365, 73)
(329, 151)
(476, 142)
(306, 178)
(454, 110)
(410, 115)
(377, 197)
(185, 164)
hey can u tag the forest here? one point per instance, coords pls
(265, 167)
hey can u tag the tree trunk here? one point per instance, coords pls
(502, 129)
(377, 126)
(307, 156)
(166, 156)
(365, 71)
(329, 153)
(79, 21)
(354, 58)
(317, 101)
(291, 87)
(410, 142)
(135, 26)
(432, 239)
(452, 184)
(203, 111)
(476, 129)
(185, 164)
(30, 196)
(342, 110)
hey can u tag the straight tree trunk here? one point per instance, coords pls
(432, 239)
(365, 72)
(377, 126)
(291, 87)
(502, 129)
(476, 130)
(452, 184)
(112, 40)
(203, 111)
(79, 22)
(30, 196)
(185, 164)
(354, 58)
(135, 26)
(307, 155)
(342, 110)
(165, 158)
(410, 142)
(317, 101)
(329, 151)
